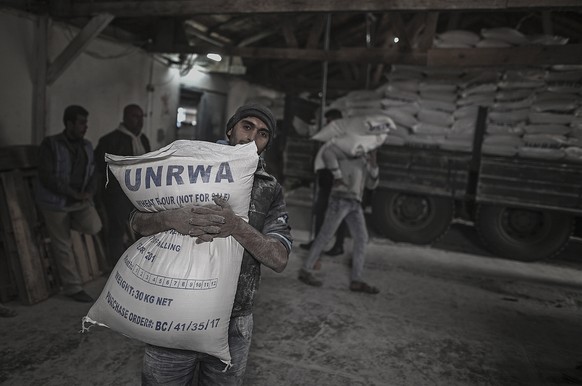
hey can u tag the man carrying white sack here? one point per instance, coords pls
(266, 239)
(352, 173)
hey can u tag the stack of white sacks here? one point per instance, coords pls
(533, 112)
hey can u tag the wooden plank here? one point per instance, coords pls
(190, 29)
(8, 286)
(18, 157)
(451, 57)
(9, 250)
(524, 182)
(516, 199)
(48, 261)
(395, 28)
(346, 54)
(315, 32)
(525, 55)
(40, 79)
(255, 38)
(183, 8)
(289, 34)
(81, 257)
(104, 264)
(430, 171)
(77, 45)
(547, 25)
(541, 4)
(429, 31)
(33, 287)
(550, 171)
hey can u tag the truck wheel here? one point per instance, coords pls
(412, 218)
(523, 234)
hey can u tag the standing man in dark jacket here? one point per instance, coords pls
(65, 194)
(127, 140)
(266, 239)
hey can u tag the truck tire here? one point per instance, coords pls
(523, 234)
(412, 218)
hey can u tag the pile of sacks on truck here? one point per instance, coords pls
(532, 112)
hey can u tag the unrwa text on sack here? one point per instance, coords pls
(165, 174)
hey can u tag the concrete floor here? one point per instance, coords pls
(447, 315)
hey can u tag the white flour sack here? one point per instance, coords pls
(356, 145)
(166, 290)
(358, 125)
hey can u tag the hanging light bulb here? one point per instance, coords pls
(215, 57)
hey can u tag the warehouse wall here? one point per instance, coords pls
(103, 79)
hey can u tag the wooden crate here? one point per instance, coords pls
(27, 266)
(87, 255)
(8, 288)
(19, 237)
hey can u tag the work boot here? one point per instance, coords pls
(360, 286)
(335, 250)
(308, 278)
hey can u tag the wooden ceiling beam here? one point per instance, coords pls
(395, 28)
(526, 55)
(76, 46)
(429, 31)
(347, 54)
(289, 34)
(184, 8)
(315, 32)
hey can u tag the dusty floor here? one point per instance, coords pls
(447, 315)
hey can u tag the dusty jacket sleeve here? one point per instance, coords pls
(277, 221)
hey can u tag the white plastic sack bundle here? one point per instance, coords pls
(435, 117)
(505, 34)
(494, 128)
(534, 152)
(425, 140)
(573, 153)
(517, 104)
(358, 125)
(556, 129)
(553, 118)
(424, 128)
(544, 140)
(464, 125)
(509, 117)
(548, 40)
(502, 140)
(356, 145)
(477, 100)
(460, 37)
(429, 104)
(402, 117)
(166, 290)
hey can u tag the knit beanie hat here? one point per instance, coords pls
(254, 110)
